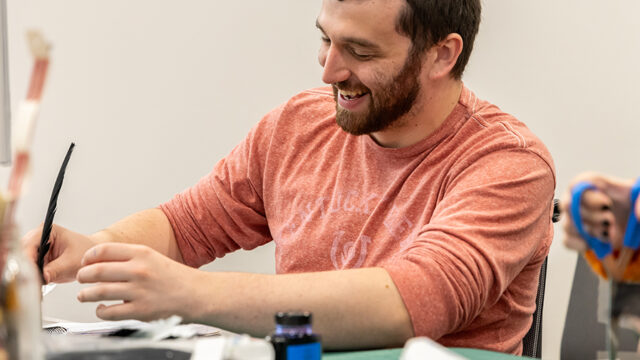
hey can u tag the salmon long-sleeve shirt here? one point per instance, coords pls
(461, 220)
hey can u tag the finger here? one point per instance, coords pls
(591, 198)
(616, 236)
(569, 227)
(30, 242)
(601, 181)
(596, 217)
(565, 209)
(109, 252)
(573, 239)
(105, 272)
(595, 201)
(600, 229)
(116, 312)
(565, 203)
(59, 271)
(602, 226)
(106, 292)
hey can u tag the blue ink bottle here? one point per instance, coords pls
(294, 339)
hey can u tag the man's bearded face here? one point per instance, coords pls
(388, 100)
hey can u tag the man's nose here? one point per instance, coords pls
(335, 68)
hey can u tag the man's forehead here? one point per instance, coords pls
(373, 19)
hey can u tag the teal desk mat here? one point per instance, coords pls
(394, 354)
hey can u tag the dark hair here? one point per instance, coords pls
(426, 22)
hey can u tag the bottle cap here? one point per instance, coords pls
(293, 318)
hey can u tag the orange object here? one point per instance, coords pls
(631, 273)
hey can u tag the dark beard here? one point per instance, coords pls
(394, 99)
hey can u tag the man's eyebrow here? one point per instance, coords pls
(353, 40)
(361, 42)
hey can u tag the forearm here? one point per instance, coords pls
(148, 227)
(352, 309)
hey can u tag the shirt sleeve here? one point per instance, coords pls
(224, 211)
(493, 219)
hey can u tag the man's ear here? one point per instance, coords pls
(445, 55)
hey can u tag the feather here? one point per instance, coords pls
(45, 244)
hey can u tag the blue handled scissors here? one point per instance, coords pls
(601, 248)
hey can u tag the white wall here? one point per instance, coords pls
(569, 69)
(154, 92)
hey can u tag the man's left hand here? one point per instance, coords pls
(151, 285)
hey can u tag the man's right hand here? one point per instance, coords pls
(62, 262)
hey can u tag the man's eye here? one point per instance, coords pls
(361, 56)
(325, 39)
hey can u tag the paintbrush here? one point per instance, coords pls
(25, 124)
(45, 244)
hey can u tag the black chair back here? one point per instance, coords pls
(532, 341)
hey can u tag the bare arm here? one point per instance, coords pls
(353, 309)
(148, 227)
(62, 262)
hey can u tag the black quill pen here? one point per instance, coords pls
(51, 211)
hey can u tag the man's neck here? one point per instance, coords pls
(429, 112)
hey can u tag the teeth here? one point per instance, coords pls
(351, 94)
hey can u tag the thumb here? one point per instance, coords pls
(30, 242)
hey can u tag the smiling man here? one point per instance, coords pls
(400, 203)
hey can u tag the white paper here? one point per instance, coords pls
(424, 348)
(157, 329)
(209, 349)
(47, 288)
(101, 327)
(244, 347)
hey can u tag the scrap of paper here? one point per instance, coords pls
(47, 289)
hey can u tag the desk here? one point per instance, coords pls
(394, 354)
(61, 347)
